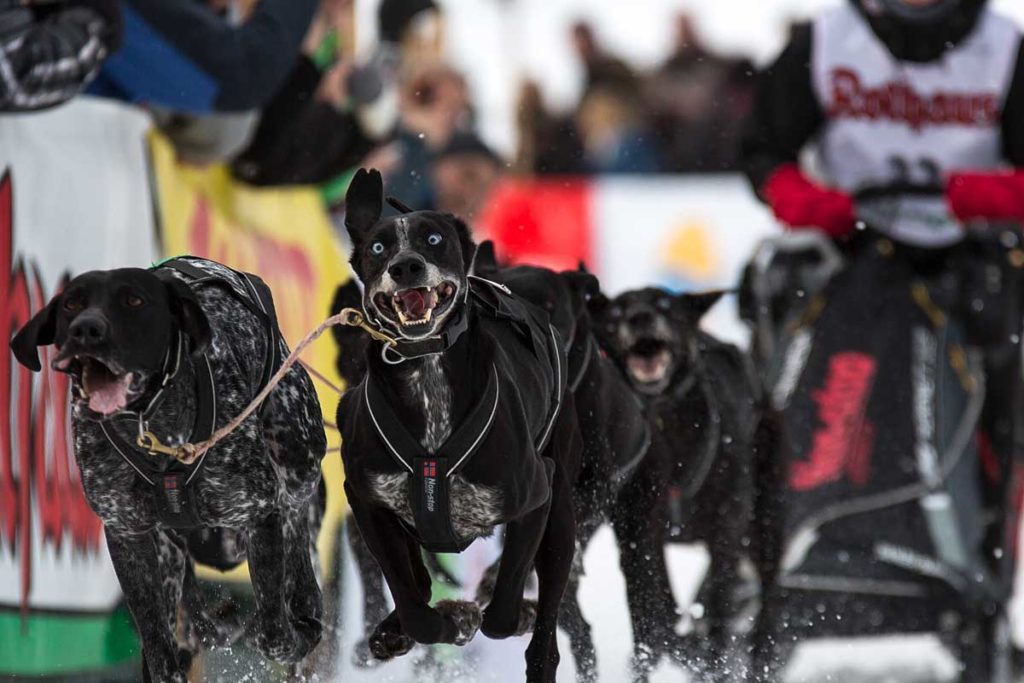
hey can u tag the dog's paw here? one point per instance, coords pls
(309, 631)
(465, 614)
(363, 657)
(278, 645)
(386, 643)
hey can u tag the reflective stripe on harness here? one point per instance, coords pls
(431, 472)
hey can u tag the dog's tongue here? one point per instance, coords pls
(649, 368)
(413, 302)
(107, 392)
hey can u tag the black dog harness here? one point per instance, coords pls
(171, 479)
(430, 473)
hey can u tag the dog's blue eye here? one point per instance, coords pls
(434, 239)
(664, 304)
(377, 248)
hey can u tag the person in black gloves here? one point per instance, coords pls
(51, 49)
(915, 112)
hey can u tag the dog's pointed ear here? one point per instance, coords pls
(41, 330)
(486, 261)
(189, 314)
(598, 304)
(582, 267)
(583, 283)
(364, 203)
(694, 306)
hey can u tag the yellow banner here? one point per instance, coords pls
(285, 237)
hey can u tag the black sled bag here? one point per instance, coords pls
(879, 402)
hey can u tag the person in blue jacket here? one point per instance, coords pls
(187, 56)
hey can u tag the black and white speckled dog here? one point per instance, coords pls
(171, 353)
(464, 424)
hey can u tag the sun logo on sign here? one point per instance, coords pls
(689, 258)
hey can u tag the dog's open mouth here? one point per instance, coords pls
(104, 387)
(417, 305)
(649, 361)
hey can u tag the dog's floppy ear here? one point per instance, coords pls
(347, 295)
(694, 306)
(486, 261)
(189, 314)
(41, 330)
(364, 203)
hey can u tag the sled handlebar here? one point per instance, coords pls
(894, 190)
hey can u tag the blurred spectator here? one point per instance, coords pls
(547, 143)
(49, 51)
(613, 135)
(599, 67)
(433, 105)
(312, 131)
(697, 102)
(463, 173)
(192, 56)
(415, 26)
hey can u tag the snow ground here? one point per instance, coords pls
(879, 660)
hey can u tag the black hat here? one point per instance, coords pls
(394, 17)
(921, 33)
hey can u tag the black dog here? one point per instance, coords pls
(462, 424)
(701, 397)
(351, 364)
(624, 475)
(159, 358)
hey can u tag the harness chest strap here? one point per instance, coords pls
(175, 502)
(431, 473)
(713, 433)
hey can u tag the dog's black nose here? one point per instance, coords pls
(407, 272)
(89, 329)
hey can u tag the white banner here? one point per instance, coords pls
(74, 196)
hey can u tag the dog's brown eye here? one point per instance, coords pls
(72, 305)
(134, 301)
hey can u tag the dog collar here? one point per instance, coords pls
(407, 349)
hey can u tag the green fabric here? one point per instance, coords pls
(333, 191)
(165, 260)
(326, 53)
(48, 644)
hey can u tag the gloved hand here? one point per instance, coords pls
(800, 203)
(992, 195)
